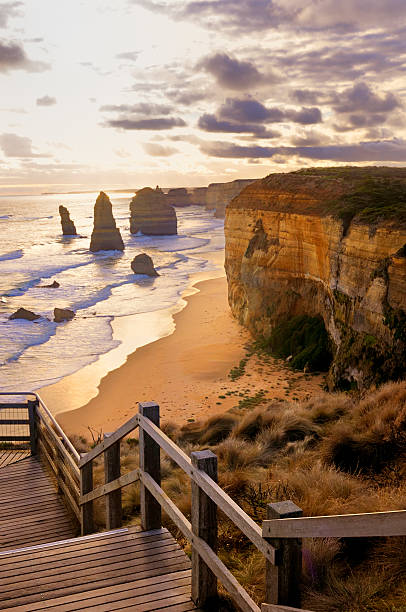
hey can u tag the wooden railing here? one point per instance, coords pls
(279, 540)
(47, 439)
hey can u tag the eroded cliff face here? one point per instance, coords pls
(287, 256)
(218, 195)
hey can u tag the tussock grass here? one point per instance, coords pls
(330, 455)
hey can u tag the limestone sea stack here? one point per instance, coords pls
(68, 227)
(151, 215)
(178, 197)
(143, 264)
(105, 235)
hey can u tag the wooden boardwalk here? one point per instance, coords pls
(12, 456)
(123, 569)
(31, 511)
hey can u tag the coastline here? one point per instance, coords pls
(187, 372)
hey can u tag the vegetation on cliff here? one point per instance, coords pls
(302, 339)
(330, 455)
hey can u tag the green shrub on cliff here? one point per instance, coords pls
(305, 340)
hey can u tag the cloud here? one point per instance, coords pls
(13, 57)
(46, 101)
(235, 109)
(382, 151)
(157, 150)
(231, 73)
(144, 108)
(13, 145)
(361, 98)
(225, 15)
(186, 97)
(157, 123)
(305, 96)
(209, 123)
(7, 10)
(129, 55)
(306, 116)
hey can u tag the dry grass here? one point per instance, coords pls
(332, 455)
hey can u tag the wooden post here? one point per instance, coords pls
(32, 409)
(86, 510)
(283, 578)
(150, 462)
(204, 525)
(111, 472)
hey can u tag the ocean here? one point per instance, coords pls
(100, 287)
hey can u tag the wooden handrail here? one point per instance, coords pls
(124, 430)
(366, 525)
(240, 518)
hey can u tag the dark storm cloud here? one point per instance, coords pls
(7, 10)
(46, 101)
(383, 151)
(360, 97)
(209, 123)
(157, 123)
(13, 145)
(13, 57)
(144, 108)
(231, 73)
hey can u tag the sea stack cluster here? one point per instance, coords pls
(151, 214)
(105, 236)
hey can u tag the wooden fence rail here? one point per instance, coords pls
(279, 540)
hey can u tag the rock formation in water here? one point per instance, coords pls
(329, 242)
(105, 235)
(63, 314)
(178, 197)
(198, 195)
(143, 264)
(53, 285)
(68, 227)
(220, 194)
(22, 313)
(151, 215)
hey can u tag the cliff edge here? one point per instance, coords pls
(327, 242)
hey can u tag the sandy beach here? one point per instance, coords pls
(187, 372)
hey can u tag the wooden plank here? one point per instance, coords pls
(85, 543)
(367, 525)
(223, 501)
(80, 582)
(43, 413)
(118, 483)
(71, 575)
(72, 502)
(177, 603)
(204, 525)
(32, 406)
(235, 590)
(112, 471)
(86, 509)
(150, 462)
(105, 444)
(54, 440)
(13, 405)
(14, 438)
(102, 596)
(282, 581)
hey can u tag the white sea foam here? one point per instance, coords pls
(97, 286)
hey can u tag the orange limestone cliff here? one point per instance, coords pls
(325, 242)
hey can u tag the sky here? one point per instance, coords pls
(134, 93)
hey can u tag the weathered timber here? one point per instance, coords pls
(204, 525)
(216, 493)
(150, 462)
(86, 510)
(112, 472)
(282, 580)
(105, 444)
(367, 525)
(118, 483)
